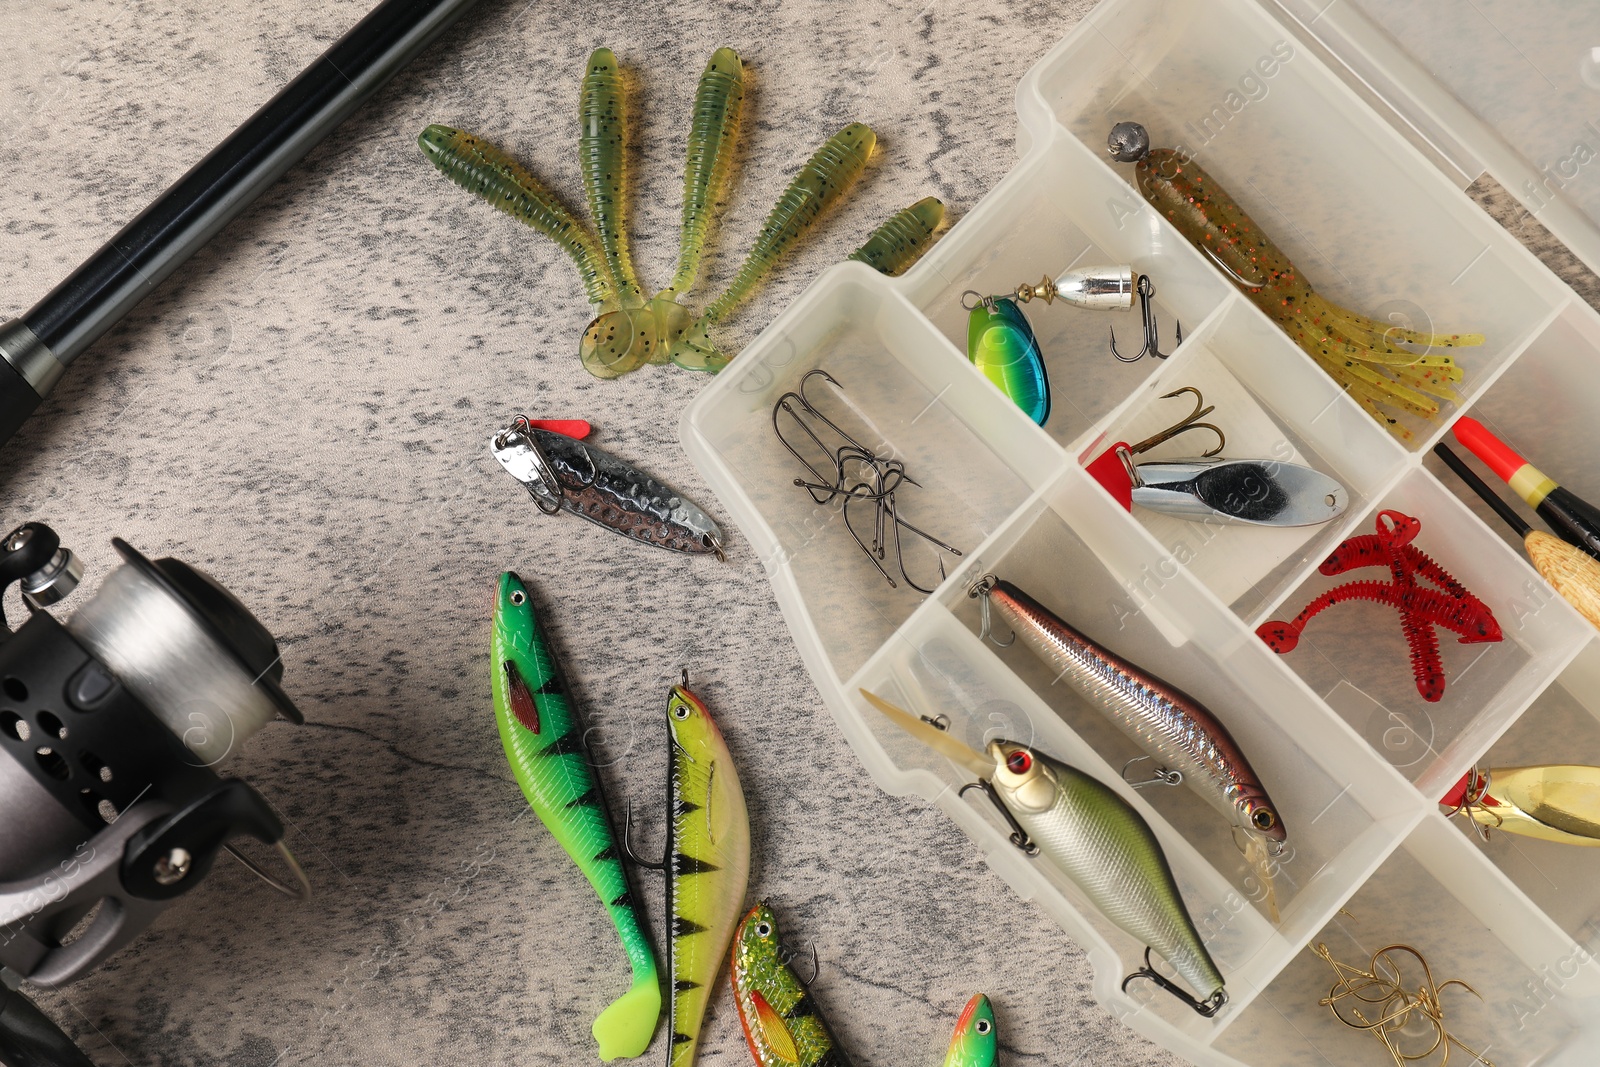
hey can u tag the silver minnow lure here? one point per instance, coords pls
(1095, 838)
(1171, 726)
(564, 474)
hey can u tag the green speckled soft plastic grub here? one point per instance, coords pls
(903, 237)
(827, 175)
(627, 330)
(1359, 353)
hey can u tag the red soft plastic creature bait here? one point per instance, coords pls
(1449, 606)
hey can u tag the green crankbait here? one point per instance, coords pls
(781, 1022)
(1095, 838)
(491, 174)
(976, 1043)
(1357, 352)
(707, 862)
(902, 238)
(827, 175)
(544, 741)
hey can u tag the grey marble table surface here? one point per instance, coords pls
(302, 412)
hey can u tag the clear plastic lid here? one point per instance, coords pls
(1507, 87)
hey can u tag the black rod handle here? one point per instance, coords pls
(37, 347)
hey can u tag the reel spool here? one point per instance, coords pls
(111, 727)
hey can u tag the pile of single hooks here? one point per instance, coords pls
(1392, 1007)
(853, 474)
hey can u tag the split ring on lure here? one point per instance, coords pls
(1096, 288)
(1359, 353)
(562, 473)
(976, 1042)
(782, 1023)
(1558, 803)
(1175, 730)
(1097, 839)
(544, 741)
(707, 863)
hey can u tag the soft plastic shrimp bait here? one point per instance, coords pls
(1449, 606)
(1359, 353)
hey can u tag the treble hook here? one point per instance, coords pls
(980, 592)
(1472, 801)
(1019, 836)
(1189, 422)
(1205, 1008)
(1152, 336)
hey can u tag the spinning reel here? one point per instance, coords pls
(111, 727)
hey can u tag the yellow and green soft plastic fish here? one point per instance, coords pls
(781, 1021)
(544, 740)
(707, 861)
(975, 1044)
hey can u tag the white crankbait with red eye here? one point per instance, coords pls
(1095, 838)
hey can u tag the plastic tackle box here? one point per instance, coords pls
(1350, 149)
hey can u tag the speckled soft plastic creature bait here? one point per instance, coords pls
(565, 474)
(707, 863)
(1559, 803)
(1359, 353)
(545, 743)
(781, 1021)
(902, 238)
(1000, 343)
(827, 176)
(1188, 743)
(1095, 838)
(976, 1042)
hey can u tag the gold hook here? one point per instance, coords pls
(1190, 422)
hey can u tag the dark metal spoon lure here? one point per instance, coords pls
(562, 473)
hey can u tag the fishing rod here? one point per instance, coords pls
(37, 347)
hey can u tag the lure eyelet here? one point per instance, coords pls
(763, 929)
(519, 598)
(982, 1027)
(680, 712)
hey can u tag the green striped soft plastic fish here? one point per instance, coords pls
(975, 1044)
(827, 176)
(544, 740)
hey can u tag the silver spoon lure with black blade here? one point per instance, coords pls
(564, 474)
